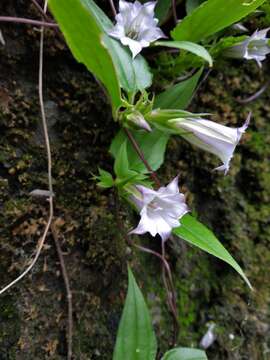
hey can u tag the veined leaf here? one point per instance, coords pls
(212, 16)
(194, 232)
(87, 42)
(153, 146)
(179, 95)
(188, 46)
(185, 354)
(135, 338)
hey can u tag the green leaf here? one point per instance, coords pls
(153, 146)
(121, 165)
(143, 76)
(179, 95)
(212, 16)
(87, 42)
(105, 179)
(188, 46)
(185, 354)
(135, 338)
(192, 5)
(194, 232)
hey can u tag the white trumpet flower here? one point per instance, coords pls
(216, 138)
(255, 47)
(160, 210)
(136, 25)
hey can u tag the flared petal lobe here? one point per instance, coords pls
(255, 47)
(136, 25)
(160, 210)
(215, 138)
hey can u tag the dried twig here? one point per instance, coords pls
(256, 95)
(48, 150)
(171, 298)
(40, 10)
(27, 21)
(68, 290)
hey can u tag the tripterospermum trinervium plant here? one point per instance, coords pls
(114, 51)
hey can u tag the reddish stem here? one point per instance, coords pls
(27, 21)
(142, 157)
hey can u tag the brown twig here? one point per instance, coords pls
(254, 96)
(68, 290)
(49, 159)
(27, 21)
(113, 7)
(142, 157)
(171, 299)
(40, 10)
(53, 228)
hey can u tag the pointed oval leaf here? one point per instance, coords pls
(185, 354)
(212, 16)
(194, 232)
(87, 42)
(135, 338)
(179, 95)
(188, 46)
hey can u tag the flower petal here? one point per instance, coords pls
(134, 45)
(172, 187)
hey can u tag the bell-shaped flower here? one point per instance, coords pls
(136, 25)
(160, 210)
(255, 47)
(216, 138)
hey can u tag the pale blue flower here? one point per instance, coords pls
(136, 25)
(160, 210)
(213, 137)
(255, 47)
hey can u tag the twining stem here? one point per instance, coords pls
(169, 287)
(142, 157)
(40, 10)
(113, 7)
(166, 272)
(49, 161)
(68, 290)
(53, 228)
(27, 21)
(255, 96)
